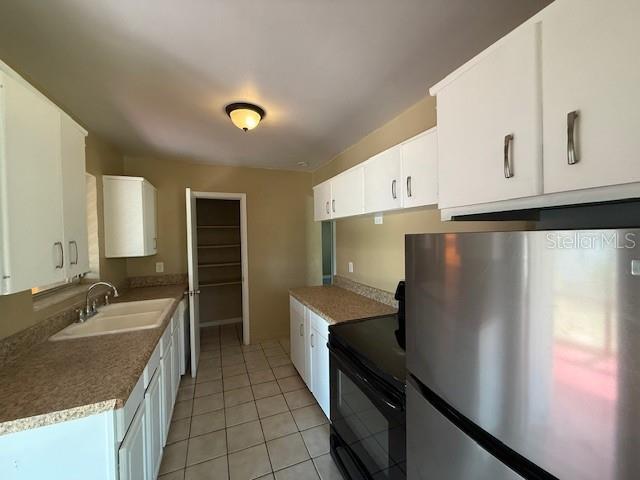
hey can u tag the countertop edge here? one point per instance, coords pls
(51, 418)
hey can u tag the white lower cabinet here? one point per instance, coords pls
(133, 449)
(309, 351)
(155, 425)
(297, 336)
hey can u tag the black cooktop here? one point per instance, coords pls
(373, 342)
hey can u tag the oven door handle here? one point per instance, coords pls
(344, 361)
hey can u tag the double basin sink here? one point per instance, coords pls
(118, 318)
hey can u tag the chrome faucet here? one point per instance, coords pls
(90, 309)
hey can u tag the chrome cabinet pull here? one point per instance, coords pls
(333, 205)
(301, 330)
(327, 208)
(409, 186)
(393, 189)
(312, 341)
(59, 245)
(572, 156)
(508, 157)
(75, 249)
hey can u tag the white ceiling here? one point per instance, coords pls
(153, 76)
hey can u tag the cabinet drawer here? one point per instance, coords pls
(152, 366)
(319, 324)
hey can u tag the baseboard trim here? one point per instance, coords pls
(217, 323)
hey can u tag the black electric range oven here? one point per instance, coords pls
(367, 371)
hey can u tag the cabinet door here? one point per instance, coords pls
(32, 241)
(132, 453)
(320, 370)
(420, 170)
(167, 391)
(296, 331)
(322, 201)
(154, 425)
(175, 367)
(489, 126)
(149, 196)
(347, 193)
(590, 52)
(123, 217)
(382, 190)
(74, 197)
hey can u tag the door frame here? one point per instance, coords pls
(244, 253)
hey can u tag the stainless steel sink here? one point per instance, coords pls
(118, 318)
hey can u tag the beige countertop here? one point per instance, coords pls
(337, 304)
(59, 381)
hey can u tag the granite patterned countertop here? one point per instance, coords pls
(338, 305)
(63, 380)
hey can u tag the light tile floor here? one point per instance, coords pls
(247, 415)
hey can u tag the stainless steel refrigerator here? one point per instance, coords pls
(523, 351)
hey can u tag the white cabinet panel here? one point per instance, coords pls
(347, 190)
(74, 197)
(322, 201)
(297, 335)
(32, 241)
(132, 453)
(382, 190)
(420, 170)
(129, 216)
(497, 97)
(154, 426)
(590, 52)
(167, 389)
(320, 369)
(175, 368)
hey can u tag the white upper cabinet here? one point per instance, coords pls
(382, 190)
(75, 197)
(489, 124)
(590, 52)
(347, 193)
(129, 216)
(420, 170)
(322, 201)
(32, 240)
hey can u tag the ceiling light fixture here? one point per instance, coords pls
(245, 116)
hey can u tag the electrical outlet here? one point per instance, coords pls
(378, 219)
(350, 267)
(159, 267)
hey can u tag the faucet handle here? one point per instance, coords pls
(106, 298)
(94, 306)
(82, 315)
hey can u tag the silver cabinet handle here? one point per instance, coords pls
(572, 156)
(312, 340)
(75, 249)
(333, 205)
(393, 189)
(328, 206)
(301, 329)
(409, 186)
(508, 156)
(59, 245)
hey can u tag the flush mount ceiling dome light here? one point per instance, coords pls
(245, 116)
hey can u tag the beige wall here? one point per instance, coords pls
(377, 251)
(16, 311)
(278, 221)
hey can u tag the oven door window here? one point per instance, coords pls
(374, 432)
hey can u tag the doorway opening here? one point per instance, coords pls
(328, 252)
(218, 266)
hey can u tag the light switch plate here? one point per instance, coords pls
(159, 267)
(378, 219)
(350, 267)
